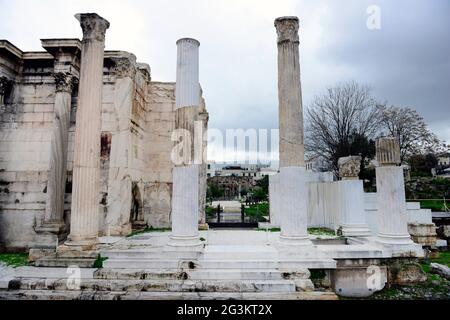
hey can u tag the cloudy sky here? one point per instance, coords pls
(406, 62)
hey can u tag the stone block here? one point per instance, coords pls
(424, 234)
(407, 274)
(440, 269)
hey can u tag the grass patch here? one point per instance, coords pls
(435, 288)
(444, 258)
(312, 231)
(258, 211)
(14, 259)
(434, 205)
(269, 229)
(147, 230)
(321, 232)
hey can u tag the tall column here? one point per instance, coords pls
(351, 198)
(293, 189)
(392, 219)
(185, 194)
(56, 185)
(86, 169)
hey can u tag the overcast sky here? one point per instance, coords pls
(406, 62)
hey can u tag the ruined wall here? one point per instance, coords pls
(26, 115)
(136, 169)
(161, 123)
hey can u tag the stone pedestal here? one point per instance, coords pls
(351, 198)
(293, 197)
(185, 194)
(274, 200)
(86, 171)
(185, 207)
(392, 218)
(293, 189)
(351, 203)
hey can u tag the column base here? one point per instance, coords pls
(178, 241)
(354, 230)
(54, 227)
(81, 243)
(295, 240)
(394, 239)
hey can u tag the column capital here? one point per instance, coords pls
(188, 40)
(287, 29)
(388, 151)
(349, 167)
(64, 81)
(94, 27)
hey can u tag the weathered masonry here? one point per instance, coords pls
(38, 112)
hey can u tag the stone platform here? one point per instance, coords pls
(231, 264)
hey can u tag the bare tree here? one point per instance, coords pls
(336, 117)
(411, 130)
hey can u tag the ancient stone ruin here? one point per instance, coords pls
(86, 155)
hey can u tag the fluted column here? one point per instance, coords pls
(86, 169)
(185, 195)
(293, 189)
(351, 198)
(392, 217)
(289, 93)
(54, 210)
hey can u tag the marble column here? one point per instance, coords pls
(293, 179)
(392, 217)
(56, 185)
(351, 198)
(86, 168)
(185, 194)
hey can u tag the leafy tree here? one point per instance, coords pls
(214, 192)
(421, 165)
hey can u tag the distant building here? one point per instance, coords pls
(444, 160)
(255, 171)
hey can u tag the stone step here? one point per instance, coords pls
(65, 262)
(148, 264)
(219, 264)
(216, 274)
(148, 254)
(104, 295)
(158, 285)
(266, 264)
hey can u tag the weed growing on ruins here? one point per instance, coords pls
(435, 287)
(147, 230)
(99, 262)
(14, 259)
(321, 232)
